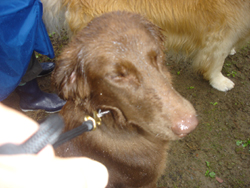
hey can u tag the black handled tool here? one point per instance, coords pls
(49, 132)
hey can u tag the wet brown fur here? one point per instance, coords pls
(116, 63)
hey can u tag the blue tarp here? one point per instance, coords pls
(21, 32)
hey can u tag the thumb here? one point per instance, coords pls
(30, 171)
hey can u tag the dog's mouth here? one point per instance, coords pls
(181, 135)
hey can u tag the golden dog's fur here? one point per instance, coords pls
(204, 30)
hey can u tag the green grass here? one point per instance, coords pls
(209, 173)
(214, 103)
(232, 73)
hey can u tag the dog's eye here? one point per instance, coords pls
(124, 72)
(119, 72)
(118, 75)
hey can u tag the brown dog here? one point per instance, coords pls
(204, 30)
(116, 63)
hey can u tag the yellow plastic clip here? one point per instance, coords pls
(86, 118)
(95, 119)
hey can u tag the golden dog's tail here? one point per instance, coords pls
(54, 15)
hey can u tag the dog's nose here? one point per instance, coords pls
(186, 125)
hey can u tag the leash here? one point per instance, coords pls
(49, 132)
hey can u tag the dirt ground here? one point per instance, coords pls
(219, 149)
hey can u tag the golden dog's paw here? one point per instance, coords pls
(232, 52)
(221, 83)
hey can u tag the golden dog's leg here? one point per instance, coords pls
(210, 60)
(215, 77)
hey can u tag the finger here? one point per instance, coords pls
(31, 171)
(16, 127)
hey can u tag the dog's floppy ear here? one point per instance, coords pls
(68, 76)
(155, 31)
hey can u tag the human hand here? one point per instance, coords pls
(43, 169)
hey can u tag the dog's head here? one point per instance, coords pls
(117, 63)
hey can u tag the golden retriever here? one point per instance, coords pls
(117, 63)
(205, 31)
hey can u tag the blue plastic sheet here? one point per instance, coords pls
(21, 32)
